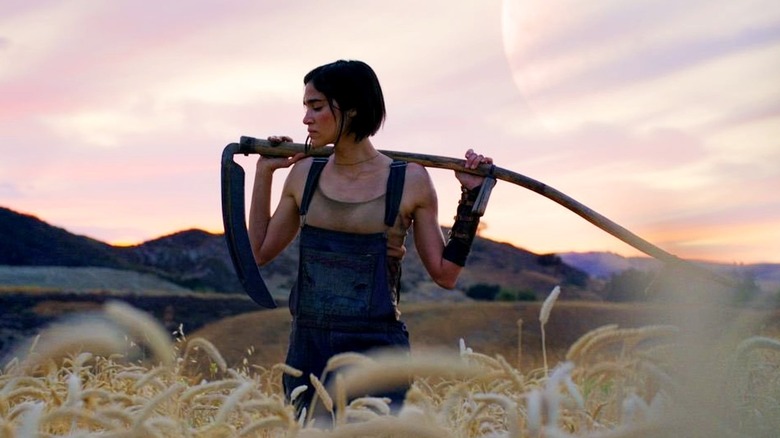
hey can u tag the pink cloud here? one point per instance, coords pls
(117, 124)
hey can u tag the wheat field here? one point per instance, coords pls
(120, 374)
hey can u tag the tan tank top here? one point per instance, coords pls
(356, 217)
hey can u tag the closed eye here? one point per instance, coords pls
(315, 104)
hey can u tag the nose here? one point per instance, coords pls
(307, 118)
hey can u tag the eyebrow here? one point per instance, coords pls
(313, 100)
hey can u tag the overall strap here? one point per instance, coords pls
(311, 183)
(395, 189)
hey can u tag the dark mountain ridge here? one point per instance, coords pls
(199, 261)
(26, 240)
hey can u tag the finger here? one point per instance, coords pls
(297, 157)
(276, 139)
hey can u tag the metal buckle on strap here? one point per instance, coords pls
(480, 204)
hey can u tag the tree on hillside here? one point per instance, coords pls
(483, 292)
(515, 295)
(746, 290)
(629, 285)
(570, 274)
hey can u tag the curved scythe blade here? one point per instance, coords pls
(236, 235)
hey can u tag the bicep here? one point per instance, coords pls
(428, 237)
(282, 227)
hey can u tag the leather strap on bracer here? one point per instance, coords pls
(464, 229)
(471, 207)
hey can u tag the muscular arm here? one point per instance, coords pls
(270, 234)
(428, 237)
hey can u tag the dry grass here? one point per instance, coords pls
(489, 327)
(101, 378)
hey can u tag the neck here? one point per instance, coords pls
(365, 160)
(350, 153)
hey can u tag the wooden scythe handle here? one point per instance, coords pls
(251, 145)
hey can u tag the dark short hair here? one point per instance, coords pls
(354, 86)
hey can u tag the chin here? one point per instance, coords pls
(318, 143)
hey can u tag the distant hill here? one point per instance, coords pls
(602, 265)
(199, 261)
(193, 259)
(26, 240)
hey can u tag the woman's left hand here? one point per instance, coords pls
(473, 160)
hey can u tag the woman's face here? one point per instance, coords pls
(321, 122)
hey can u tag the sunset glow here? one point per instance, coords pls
(663, 116)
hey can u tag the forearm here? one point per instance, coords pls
(445, 259)
(260, 210)
(464, 229)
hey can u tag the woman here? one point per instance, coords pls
(353, 211)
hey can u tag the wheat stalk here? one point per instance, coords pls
(352, 415)
(385, 427)
(322, 393)
(756, 342)
(631, 336)
(76, 414)
(145, 327)
(510, 409)
(32, 419)
(58, 341)
(482, 359)
(544, 316)
(341, 400)
(345, 359)
(24, 392)
(152, 377)
(210, 350)
(575, 350)
(394, 371)
(519, 342)
(380, 405)
(218, 385)
(149, 408)
(232, 401)
(84, 394)
(287, 369)
(297, 391)
(118, 414)
(515, 377)
(264, 423)
(11, 365)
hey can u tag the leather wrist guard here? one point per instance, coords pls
(464, 229)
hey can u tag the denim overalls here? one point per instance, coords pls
(346, 295)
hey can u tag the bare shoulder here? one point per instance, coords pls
(417, 173)
(301, 168)
(419, 185)
(296, 178)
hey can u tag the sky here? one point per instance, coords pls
(662, 115)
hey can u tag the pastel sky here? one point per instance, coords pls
(662, 115)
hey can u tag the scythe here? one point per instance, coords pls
(237, 237)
